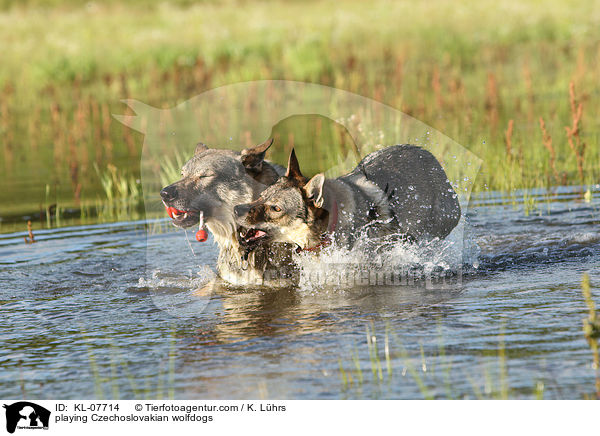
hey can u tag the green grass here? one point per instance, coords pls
(454, 65)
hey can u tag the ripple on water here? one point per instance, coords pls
(86, 294)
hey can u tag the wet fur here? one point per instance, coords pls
(421, 198)
(214, 181)
(309, 209)
(400, 190)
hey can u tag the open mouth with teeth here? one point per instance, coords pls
(251, 238)
(182, 218)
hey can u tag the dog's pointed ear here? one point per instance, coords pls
(200, 147)
(314, 189)
(253, 158)
(293, 169)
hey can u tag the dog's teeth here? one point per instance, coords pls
(185, 215)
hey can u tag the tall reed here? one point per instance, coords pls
(573, 133)
(591, 329)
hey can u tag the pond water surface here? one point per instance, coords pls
(80, 319)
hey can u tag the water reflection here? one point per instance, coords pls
(244, 314)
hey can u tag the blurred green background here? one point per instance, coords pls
(484, 73)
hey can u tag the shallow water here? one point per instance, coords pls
(85, 316)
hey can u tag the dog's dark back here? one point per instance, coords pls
(421, 197)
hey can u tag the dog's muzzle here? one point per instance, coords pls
(241, 210)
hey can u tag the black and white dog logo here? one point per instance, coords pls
(26, 415)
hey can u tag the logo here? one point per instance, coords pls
(26, 415)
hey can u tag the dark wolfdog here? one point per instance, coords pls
(398, 190)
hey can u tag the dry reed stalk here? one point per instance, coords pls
(96, 129)
(176, 76)
(123, 83)
(508, 139)
(547, 141)
(350, 62)
(95, 118)
(491, 101)
(129, 140)
(76, 87)
(378, 94)
(247, 138)
(8, 136)
(458, 99)
(437, 87)
(35, 128)
(573, 137)
(31, 238)
(4, 115)
(399, 73)
(58, 144)
(199, 72)
(55, 116)
(80, 124)
(8, 151)
(421, 106)
(74, 169)
(84, 158)
(457, 90)
(529, 90)
(106, 119)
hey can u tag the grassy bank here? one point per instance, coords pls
(515, 82)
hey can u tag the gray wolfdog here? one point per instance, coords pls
(213, 182)
(400, 190)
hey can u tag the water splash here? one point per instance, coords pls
(175, 282)
(182, 296)
(389, 262)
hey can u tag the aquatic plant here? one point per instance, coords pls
(424, 370)
(118, 184)
(120, 382)
(574, 134)
(123, 195)
(547, 142)
(31, 238)
(170, 168)
(591, 329)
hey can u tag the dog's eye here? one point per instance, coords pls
(275, 208)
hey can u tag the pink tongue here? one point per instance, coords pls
(259, 233)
